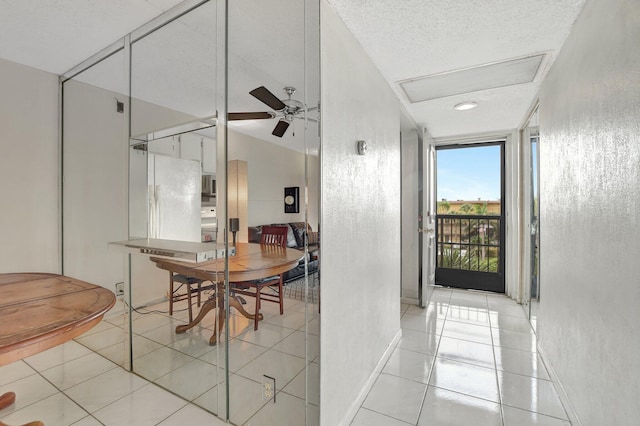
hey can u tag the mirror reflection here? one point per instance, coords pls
(534, 141)
(173, 197)
(161, 135)
(531, 145)
(94, 188)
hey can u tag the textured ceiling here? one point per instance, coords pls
(406, 39)
(55, 35)
(414, 38)
(175, 66)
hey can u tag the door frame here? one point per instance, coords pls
(511, 201)
(496, 280)
(530, 130)
(426, 218)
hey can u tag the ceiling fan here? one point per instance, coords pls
(288, 109)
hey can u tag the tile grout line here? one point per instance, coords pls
(433, 364)
(495, 363)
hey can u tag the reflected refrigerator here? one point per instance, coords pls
(174, 198)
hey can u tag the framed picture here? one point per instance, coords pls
(292, 199)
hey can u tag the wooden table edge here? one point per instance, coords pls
(52, 338)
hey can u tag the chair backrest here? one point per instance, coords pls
(274, 235)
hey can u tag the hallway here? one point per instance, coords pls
(469, 358)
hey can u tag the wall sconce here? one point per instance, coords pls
(362, 147)
(234, 226)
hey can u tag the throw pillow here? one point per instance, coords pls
(291, 239)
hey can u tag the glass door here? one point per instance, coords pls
(530, 214)
(535, 229)
(470, 227)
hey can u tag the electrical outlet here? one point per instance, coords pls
(268, 388)
(119, 289)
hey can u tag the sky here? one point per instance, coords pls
(468, 173)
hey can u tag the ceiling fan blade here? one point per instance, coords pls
(265, 96)
(280, 128)
(250, 115)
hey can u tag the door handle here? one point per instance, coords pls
(426, 230)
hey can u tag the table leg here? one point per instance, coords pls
(235, 303)
(211, 304)
(206, 307)
(9, 398)
(219, 323)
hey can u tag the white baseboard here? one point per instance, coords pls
(562, 393)
(355, 405)
(409, 301)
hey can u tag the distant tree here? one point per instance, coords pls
(481, 209)
(443, 207)
(465, 209)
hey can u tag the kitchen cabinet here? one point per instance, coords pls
(208, 155)
(188, 146)
(164, 146)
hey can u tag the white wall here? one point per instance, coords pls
(360, 221)
(271, 168)
(590, 213)
(29, 187)
(95, 161)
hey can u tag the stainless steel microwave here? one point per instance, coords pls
(209, 185)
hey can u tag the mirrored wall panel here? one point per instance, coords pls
(194, 144)
(273, 200)
(177, 306)
(531, 209)
(95, 181)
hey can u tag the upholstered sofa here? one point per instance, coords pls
(296, 237)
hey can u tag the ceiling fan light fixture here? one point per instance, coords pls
(464, 106)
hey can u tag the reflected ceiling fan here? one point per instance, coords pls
(288, 109)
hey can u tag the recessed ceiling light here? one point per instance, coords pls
(465, 106)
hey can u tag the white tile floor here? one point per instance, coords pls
(469, 358)
(81, 383)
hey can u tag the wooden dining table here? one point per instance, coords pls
(39, 311)
(250, 262)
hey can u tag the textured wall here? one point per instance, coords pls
(360, 219)
(28, 169)
(590, 212)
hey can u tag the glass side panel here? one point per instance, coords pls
(273, 179)
(94, 205)
(176, 308)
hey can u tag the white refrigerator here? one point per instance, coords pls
(174, 198)
(165, 203)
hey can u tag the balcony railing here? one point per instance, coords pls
(468, 242)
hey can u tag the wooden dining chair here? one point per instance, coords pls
(193, 285)
(271, 236)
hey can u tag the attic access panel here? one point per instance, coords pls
(483, 77)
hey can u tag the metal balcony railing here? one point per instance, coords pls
(469, 242)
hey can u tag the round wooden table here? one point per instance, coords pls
(40, 311)
(251, 262)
